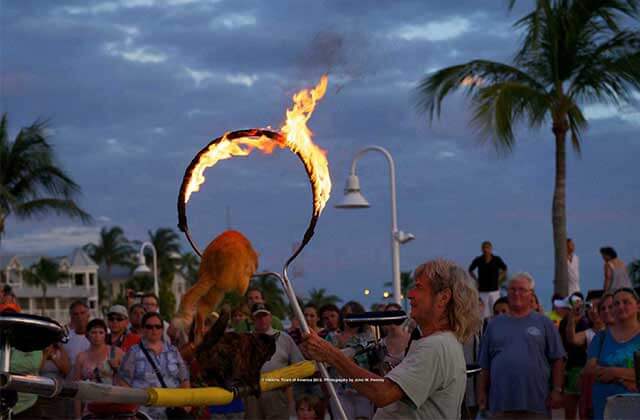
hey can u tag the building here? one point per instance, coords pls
(120, 274)
(81, 284)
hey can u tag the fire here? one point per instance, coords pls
(296, 136)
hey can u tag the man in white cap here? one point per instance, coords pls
(276, 404)
(119, 335)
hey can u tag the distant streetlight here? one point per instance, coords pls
(367, 292)
(353, 199)
(144, 269)
(386, 294)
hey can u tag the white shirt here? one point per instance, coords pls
(433, 378)
(574, 274)
(76, 344)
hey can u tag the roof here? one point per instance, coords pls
(78, 259)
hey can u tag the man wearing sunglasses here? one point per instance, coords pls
(119, 334)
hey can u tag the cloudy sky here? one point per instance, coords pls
(134, 88)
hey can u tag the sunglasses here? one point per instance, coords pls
(116, 318)
(153, 327)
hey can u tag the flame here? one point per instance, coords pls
(299, 141)
(297, 137)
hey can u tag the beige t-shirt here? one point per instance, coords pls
(433, 378)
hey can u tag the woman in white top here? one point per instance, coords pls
(395, 342)
(599, 314)
(615, 270)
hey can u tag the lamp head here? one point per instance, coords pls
(353, 198)
(404, 237)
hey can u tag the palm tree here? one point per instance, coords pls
(634, 272)
(320, 298)
(31, 182)
(574, 52)
(189, 264)
(113, 249)
(272, 293)
(42, 274)
(406, 283)
(167, 244)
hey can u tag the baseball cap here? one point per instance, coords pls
(568, 302)
(259, 308)
(118, 310)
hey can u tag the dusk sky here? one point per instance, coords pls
(134, 88)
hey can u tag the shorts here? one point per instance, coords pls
(572, 376)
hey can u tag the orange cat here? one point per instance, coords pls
(227, 265)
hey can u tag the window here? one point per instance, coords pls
(92, 304)
(64, 281)
(79, 279)
(92, 280)
(15, 279)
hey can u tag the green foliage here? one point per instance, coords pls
(320, 298)
(272, 292)
(113, 248)
(634, 272)
(32, 183)
(188, 265)
(42, 274)
(233, 299)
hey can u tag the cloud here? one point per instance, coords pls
(103, 219)
(114, 146)
(93, 9)
(241, 79)
(452, 28)
(627, 113)
(200, 77)
(233, 21)
(137, 55)
(52, 240)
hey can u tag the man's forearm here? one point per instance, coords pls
(557, 374)
(379, 390)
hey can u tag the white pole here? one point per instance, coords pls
(395, 245)
(156, 290)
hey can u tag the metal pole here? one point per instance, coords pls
(322, 368)
(156, 290)
(5, 354)
(395, 245)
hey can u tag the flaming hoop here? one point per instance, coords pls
(294, 135)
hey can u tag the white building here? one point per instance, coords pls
(81, 284)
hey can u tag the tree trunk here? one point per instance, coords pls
(559, 211)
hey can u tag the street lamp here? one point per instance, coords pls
(367, 292)
(143, 269)
(353, 199)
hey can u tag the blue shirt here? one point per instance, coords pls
(136, 371)
(613, 354)
(518, 353)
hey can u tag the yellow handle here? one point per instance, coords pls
(176, 397)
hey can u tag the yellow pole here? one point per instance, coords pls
(173, 397)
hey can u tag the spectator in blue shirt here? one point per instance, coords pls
(610, 353)
(136, 370)
(520, 355)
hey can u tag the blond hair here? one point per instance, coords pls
(463, 313)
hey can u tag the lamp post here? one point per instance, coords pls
(353, 199)
(143, 269)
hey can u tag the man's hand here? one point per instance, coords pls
(606, 374)
(555, 400)
(481, 399)
(315, 348)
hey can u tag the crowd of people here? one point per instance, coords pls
(571, 358)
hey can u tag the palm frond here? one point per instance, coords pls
(58, 206)
(577, 124)
(499, 106)
(609, 72)
(470, 76)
